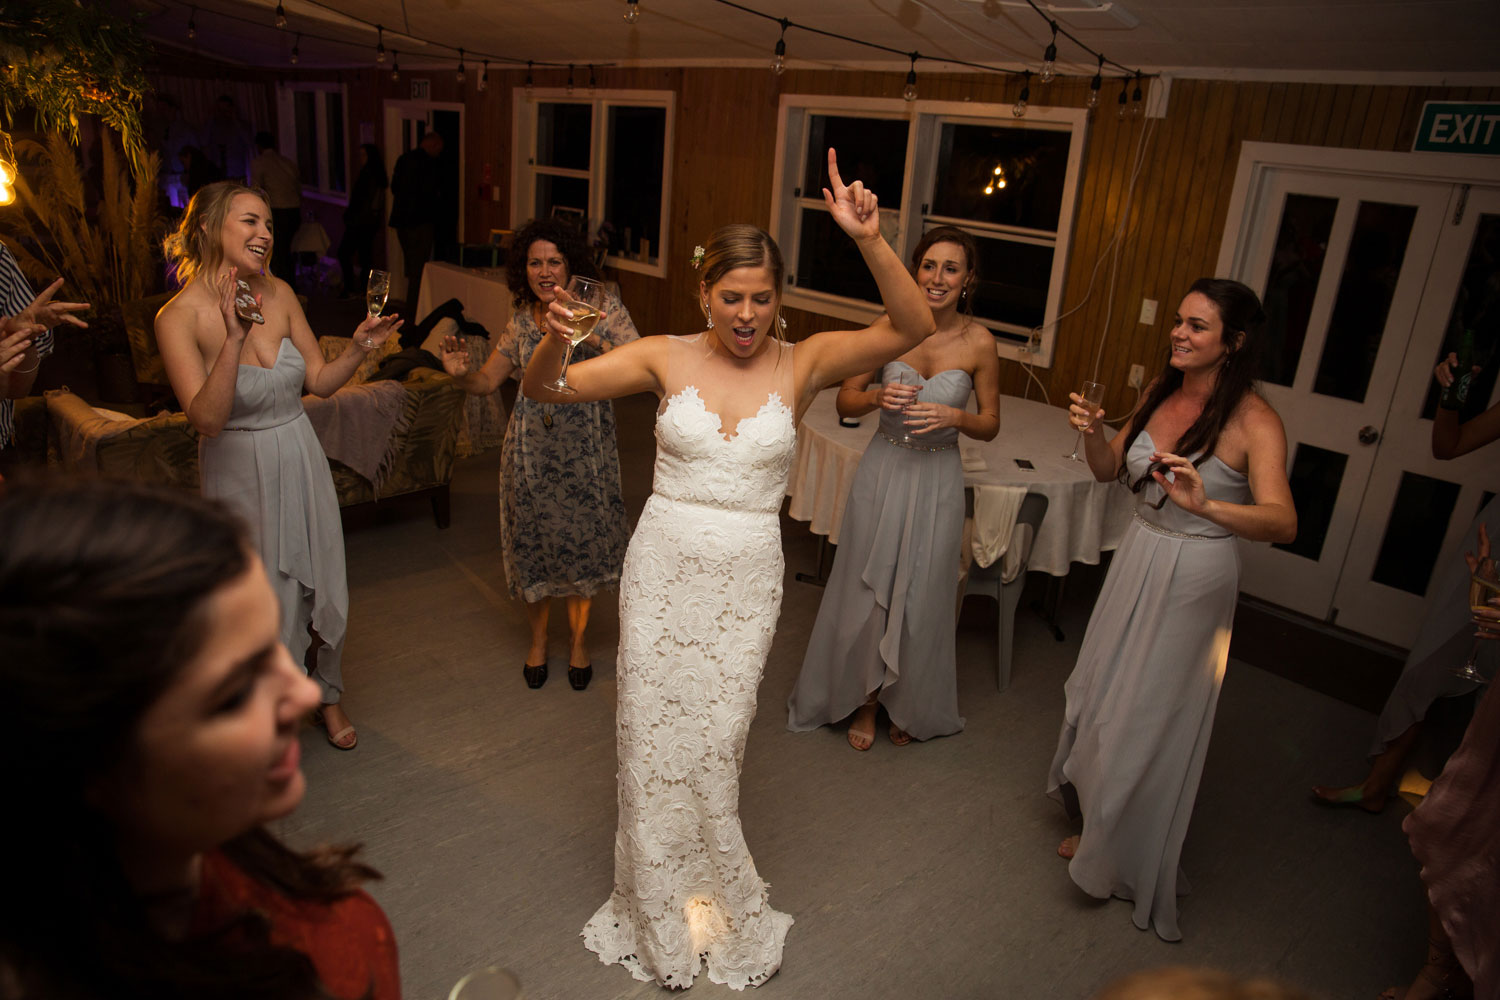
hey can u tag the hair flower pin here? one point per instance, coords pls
(697, 258)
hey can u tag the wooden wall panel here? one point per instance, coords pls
(723, 169)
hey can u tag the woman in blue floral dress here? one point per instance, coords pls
(562, 517)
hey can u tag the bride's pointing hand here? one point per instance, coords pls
(852, 206)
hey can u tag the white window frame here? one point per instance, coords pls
(523, 177)
(903, 227)
(287, 135)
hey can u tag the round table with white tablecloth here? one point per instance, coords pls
(1084, 517)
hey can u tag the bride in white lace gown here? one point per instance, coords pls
(701, 590)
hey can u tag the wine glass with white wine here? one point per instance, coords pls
(375, 296)
(583, 298)
(1481, 589)
(1093, 398)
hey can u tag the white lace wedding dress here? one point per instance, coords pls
(699, 599)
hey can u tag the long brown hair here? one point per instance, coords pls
(194, 245)
(970, 247)
(1243, 326)
(742, 245)
(103, 592)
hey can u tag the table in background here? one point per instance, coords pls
(1084, 517)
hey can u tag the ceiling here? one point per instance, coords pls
(1457, 40)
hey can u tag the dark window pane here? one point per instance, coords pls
(337, 143)
(1296, 265)
(632, 188)
(1316, 476)
(1414, 534)
(872, 150)
(305, 107)
(1013, 279)
(1477, 308)
(563, 135)
(828, 261)
(571, 194)
(1005, 176)
(1376, 250)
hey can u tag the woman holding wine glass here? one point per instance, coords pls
(884, 634)
(1208, 457)
(562, 515)
(239, 354)
(701, 590)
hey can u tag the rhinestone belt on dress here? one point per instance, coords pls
(1175, 534)
(914, 446)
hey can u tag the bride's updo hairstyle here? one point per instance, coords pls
(194, 245)
(741, 245)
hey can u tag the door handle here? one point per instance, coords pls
(1368, 435)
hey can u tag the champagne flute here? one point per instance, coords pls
(913, 379)
(491, 983)
(1480, 590)
(375, 295)
(583, 299)
(1093, 398)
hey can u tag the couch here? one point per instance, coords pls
(164, 449)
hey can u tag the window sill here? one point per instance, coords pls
(653, 267)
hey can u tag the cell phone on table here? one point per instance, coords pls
(1024, 464)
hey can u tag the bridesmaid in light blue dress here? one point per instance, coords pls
(884, 633)
(240, 381)
(1208, 458)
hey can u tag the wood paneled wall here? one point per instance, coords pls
(726, 137)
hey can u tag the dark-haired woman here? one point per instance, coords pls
(362, 219)
(562, 516)
(884, 634)
(140, 645)
(1207, 456)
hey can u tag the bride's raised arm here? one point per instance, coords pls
(629, 368)
(826, 358)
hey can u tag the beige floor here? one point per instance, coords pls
(926, 871)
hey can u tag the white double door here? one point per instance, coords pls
(1367, 279)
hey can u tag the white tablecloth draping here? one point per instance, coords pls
(482, 290)
(1084, 517)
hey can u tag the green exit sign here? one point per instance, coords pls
(1457, 127)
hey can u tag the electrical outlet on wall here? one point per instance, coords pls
(1148, 311)
(1137, 376)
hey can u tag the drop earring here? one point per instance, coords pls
(781, 322)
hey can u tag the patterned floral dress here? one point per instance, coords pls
(562, 518)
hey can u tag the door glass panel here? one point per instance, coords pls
(1316, 476)
(1476, 307)
(1414, 534)
(1376, 251)
(1296, 266)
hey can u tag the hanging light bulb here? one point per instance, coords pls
(484, 78)
(1049, 58)
(1121, 113)
(528, 86)
(1019, 110)
(1094, 85)
(570, 79)
(461, 76)
(295, 54)
(778, 63)
(395, 65)
(632, 12)
(192, 26)
(910, 93)
(380, 46)
(280, 15)
(1137, 106)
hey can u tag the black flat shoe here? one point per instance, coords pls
(535, 676)
(579, 677)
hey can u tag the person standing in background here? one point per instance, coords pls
(415, 205)
(362, 218)
(225, 140)
(279, 178)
